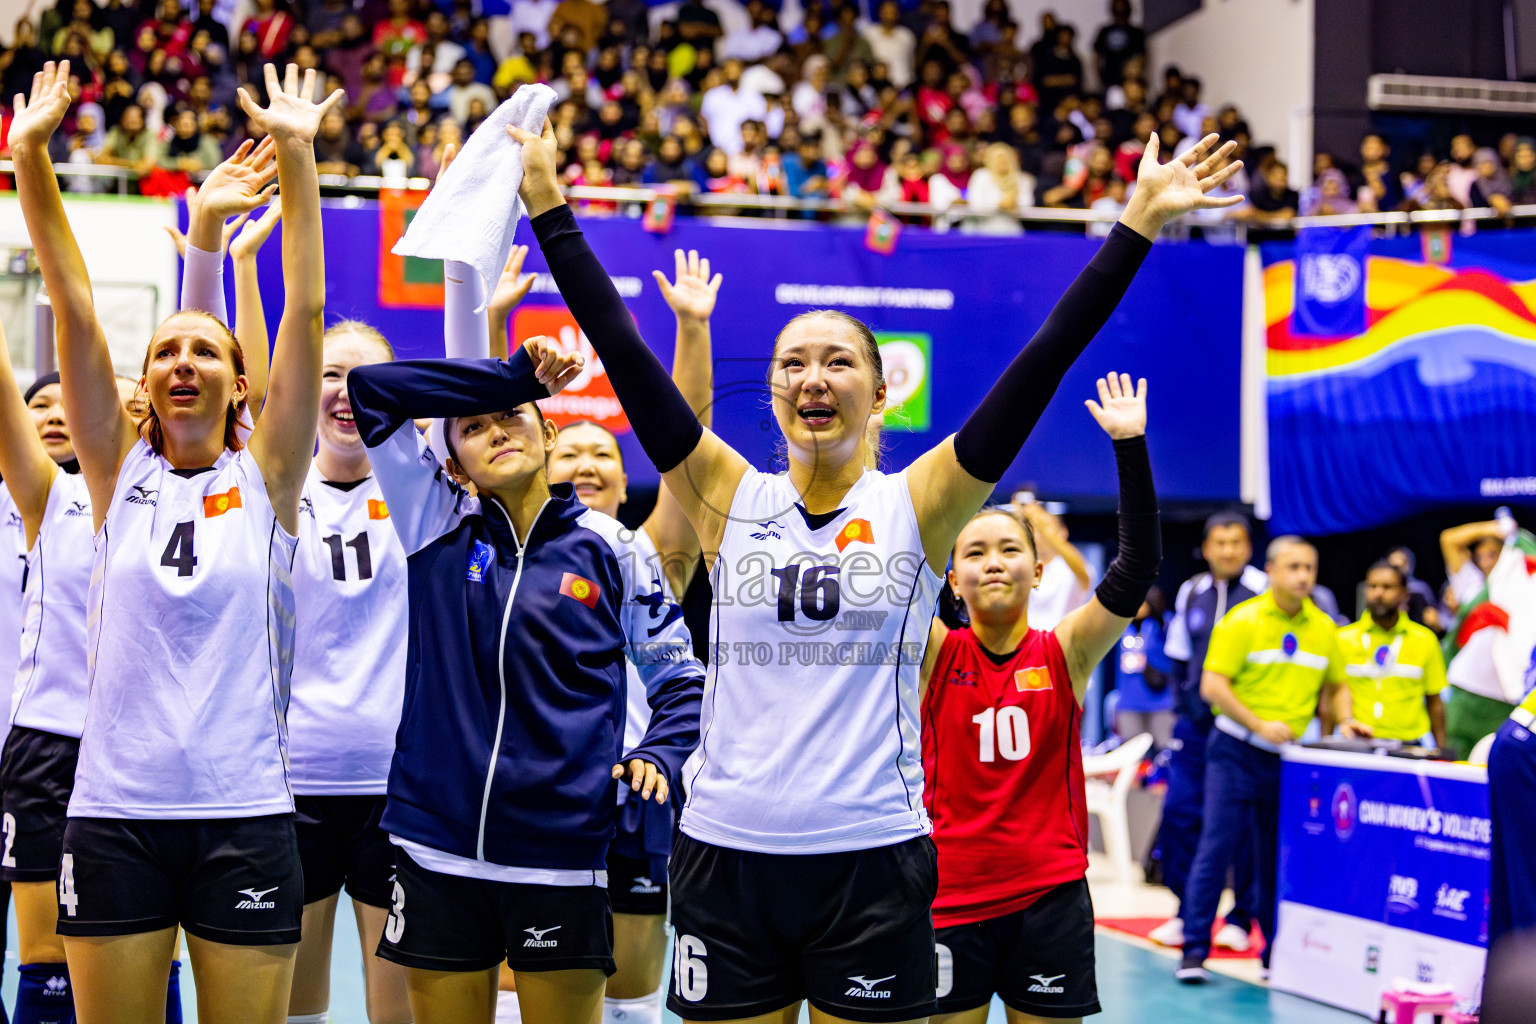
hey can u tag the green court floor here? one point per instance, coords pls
(1136, 986)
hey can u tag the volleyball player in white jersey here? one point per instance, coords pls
(804, 869)
(588, 456)
(37, 771)
(181, 810)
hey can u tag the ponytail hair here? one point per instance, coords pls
(150, 428)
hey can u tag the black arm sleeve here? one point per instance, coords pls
(990, 439)
(664, 423)
(1134, 569)
(385, 395)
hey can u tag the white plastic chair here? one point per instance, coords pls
(1108, 798)
(1479, 755)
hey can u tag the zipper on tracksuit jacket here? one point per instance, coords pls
(501, 664)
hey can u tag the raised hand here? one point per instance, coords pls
(239, 184)
(291, 115)
(554, 367)
(1121, 410)
(541, 176)
(512, 286)
(38, 116)
(249, 242)
(692, 296)
(1166, 191)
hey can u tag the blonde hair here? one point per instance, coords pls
(367, 330)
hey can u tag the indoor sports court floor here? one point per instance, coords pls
(1136, 983)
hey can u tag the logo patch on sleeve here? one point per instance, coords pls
(581, 588)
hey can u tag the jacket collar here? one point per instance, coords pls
(556, 516)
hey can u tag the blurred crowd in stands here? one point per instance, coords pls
(881, 103)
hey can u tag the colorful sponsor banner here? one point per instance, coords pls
(1383, 873)
(1431, 403)
(950, 311)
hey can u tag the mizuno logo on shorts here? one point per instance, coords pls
(539, 941)
(1047, 985)
(644, 886)
(254, 901)
(864, 988)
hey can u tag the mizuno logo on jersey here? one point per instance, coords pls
(254, 901)
(768, 530)
(858, 530)
(1035, 677)
(962, 677)
(581, 588)
(306, 508)
(218, 504)
(644, 886)
(78, 508)
(539, 941)
(377, 509)
(1047, 984)
(13, 520)
(864, 988)
(142, 496)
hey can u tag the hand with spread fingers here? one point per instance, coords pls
(643, 778)
(239, 184)
(38, 116)
(1165, 191)
(692, 295)
(1121, 409)
(291, 116)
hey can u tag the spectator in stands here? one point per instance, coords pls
(1058, 71)
(335, 152)
(533, 16)
(130, 144)
(1470, 552)
(1522, 178)
(846, 46)
(1065, 582)
(892, 44)
(805, 173)
(587, 18)
(465, 89)
(1117, 43)
(1379, 187)
(949, 183)
(189, 150)
(672, 167)
(398, 34)
(1328, 195)
(994, 193)
(393, 159)
(760, 38)
(1491, 188)
(22, 60)
(1394, 665)
(995, 17)
(374, 100)
(941, 42)
(1461, 173)
(271, 27)
(726, 106)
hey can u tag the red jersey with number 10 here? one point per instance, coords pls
(1003, 765)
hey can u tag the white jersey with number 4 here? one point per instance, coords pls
(349, 583)
(809, 732)
(190, 641)
(50, 690)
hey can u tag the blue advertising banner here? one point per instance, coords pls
(1383, 873)
(950, 311)
(1330, 281)
(1431, 401)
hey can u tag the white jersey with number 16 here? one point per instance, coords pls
(190, 641)
(809, 730)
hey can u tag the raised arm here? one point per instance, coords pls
(951, 481)
(24, 463)
(284, 440)
(692, 299)
(102, 431)
(1456, 542)
(1088, 633)
(701, 470)
(250, 324)
(511, 288)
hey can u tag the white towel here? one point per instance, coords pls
(472, 212)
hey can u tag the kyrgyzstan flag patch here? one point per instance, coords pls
(1035, 677)
(581, 588)
(857, 530)
(218, 504)
(377, 509)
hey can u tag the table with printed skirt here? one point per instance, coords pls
(1382, 875)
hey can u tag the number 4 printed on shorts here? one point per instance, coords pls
(68, 898)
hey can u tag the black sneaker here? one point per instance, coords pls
(1192, 972)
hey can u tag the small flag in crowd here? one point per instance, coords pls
(660, 214)
(218, 504)
(378, 509)
(1489, 649)
(858, 530)
(1035, 677)
(1330, 282)
(1436, 243)
(582, 589)
(882, 233)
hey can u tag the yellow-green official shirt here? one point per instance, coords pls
(1391, 672)
(1277, 663)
